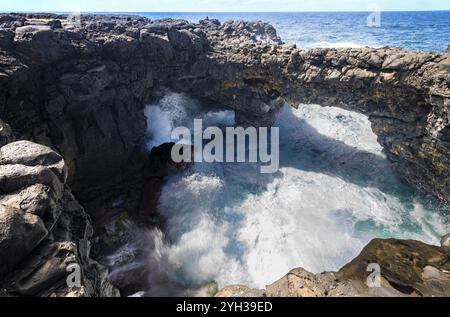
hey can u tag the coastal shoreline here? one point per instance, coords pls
(74, 96)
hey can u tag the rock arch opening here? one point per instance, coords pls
(333, 179)
(86, 100)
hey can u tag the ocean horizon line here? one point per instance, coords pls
(216, 12)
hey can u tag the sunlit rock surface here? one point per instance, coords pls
(43, 229)
(406, 267)
(81, 89)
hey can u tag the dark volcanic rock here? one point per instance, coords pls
(82, 88)
(6, 134)
(160, 163)
(20, 233)
(43, 229)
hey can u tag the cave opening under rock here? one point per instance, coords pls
(225, 223)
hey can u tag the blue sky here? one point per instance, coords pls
(220, 5)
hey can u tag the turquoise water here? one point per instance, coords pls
(333, 193)
(418, 31)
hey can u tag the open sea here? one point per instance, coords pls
(416, 31)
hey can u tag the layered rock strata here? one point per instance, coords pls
(81, 88)
(44, 232)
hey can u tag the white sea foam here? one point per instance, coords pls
(333, 193)
(178, 110)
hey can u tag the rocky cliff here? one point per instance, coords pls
(44, 232)
(79, 89)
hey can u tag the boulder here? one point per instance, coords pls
(51, 269)
(17, 176)
(160, 163)
(406, 268)
(445, 241)
(43, 229)
(36, 199)
(20, 234)
(32, 154)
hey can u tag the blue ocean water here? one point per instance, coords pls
(333, 193)
(416, 31)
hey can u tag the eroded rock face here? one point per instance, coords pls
(404, 94)
(407, 268)
(6, 134)
(445, 241)
(20, 233)
(120, 241)
(81, 88)
(43, 229)
(160, 163)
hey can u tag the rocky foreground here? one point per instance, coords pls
(43, 229)
(72, 124)
(407, 268)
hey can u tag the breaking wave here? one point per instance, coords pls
(334, 192)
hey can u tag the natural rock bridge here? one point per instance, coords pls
(82, 89)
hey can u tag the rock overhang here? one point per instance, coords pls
(86, 97)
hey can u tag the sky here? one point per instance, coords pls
(218, 5)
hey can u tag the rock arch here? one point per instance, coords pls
(82, 90)
(404, 94)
